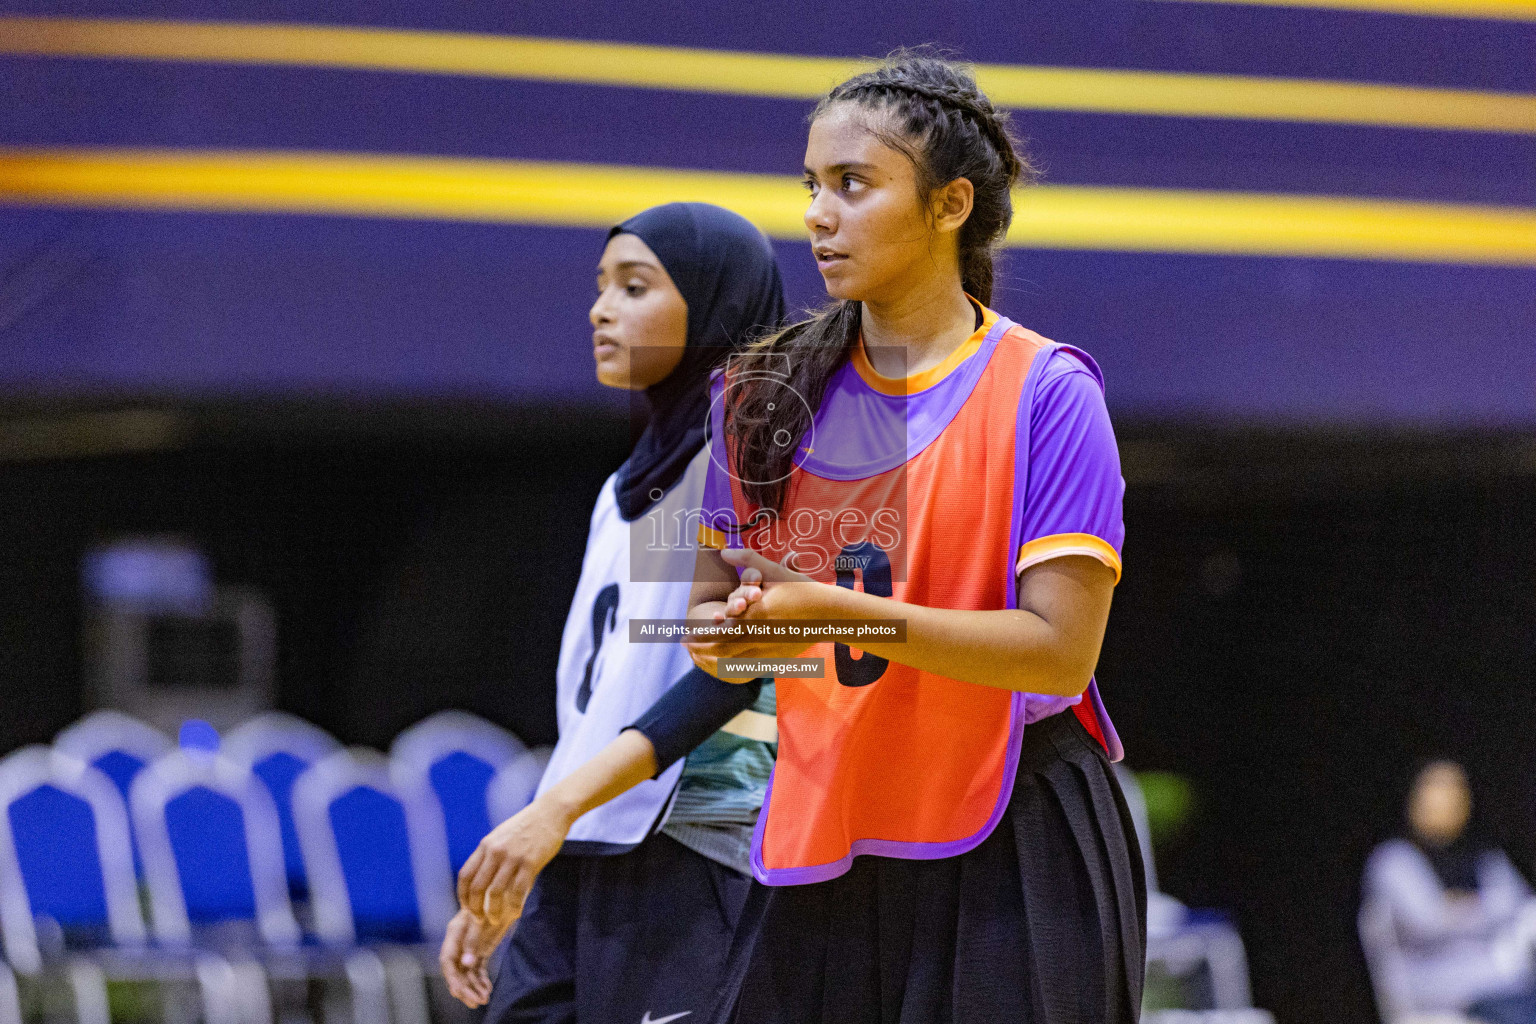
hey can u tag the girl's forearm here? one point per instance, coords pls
(1013, 649)
(628, 760)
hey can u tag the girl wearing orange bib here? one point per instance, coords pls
(942, 839)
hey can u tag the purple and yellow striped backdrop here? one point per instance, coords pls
(1281, 211)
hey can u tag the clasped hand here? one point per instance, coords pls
(766, 592)
(493, 885)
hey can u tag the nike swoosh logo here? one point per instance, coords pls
(648, 1019)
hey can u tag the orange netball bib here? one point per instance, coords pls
(911, 489)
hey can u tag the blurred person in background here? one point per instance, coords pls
(1464, 917)
(633, 866)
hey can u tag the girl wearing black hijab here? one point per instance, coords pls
(626, 874)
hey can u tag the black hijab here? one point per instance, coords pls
(725, 270)
(1455, 863)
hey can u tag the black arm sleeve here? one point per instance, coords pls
(690, 712)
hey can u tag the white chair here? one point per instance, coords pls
(207, 837)
(1172, 940)
(515, 784)
(278, 748)
(255, 741)
(450, 758)
(377, 861)
(358, 855)
(22, 775)
(117, 744)
(10, 997)
(49, 801)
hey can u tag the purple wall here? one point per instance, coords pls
(100, 302)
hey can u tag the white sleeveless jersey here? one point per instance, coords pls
(604, 682)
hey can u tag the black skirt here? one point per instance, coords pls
(1043, 923)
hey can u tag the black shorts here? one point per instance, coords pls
(634, 938)
(1043, 923)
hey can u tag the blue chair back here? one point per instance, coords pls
(376, 857)
(278, 748)
(212, 848)
(451, 758)
(118, 745)
(64, 855)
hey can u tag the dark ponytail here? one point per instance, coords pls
(948, 129)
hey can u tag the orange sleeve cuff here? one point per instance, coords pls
(711, 538)
(1043, 549)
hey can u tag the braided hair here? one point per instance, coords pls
(948, 129)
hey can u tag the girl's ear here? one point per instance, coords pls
(952, 204)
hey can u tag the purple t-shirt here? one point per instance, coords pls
(1074, 495)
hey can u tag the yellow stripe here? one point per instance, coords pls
(584, 195)
(1042, 549)
(710, 538)
(431, 188)
(1246, 223)
(1496, 10)
(761, 74)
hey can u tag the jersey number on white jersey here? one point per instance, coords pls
(605, 613)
